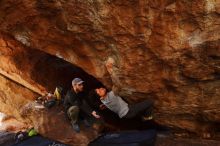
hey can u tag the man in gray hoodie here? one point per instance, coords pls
(124, 110)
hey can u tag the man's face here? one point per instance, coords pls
(79, 87)
(101, 92)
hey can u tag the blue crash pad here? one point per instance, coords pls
(39, 141)
(127, 138)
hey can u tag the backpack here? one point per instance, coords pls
(59, 94)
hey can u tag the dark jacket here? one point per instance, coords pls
(94, 100)
(76, 99)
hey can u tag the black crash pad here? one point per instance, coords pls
(127, 138)
(39, 141)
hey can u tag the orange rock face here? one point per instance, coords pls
(164, 50)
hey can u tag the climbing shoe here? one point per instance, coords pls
(75, 127)
(147, 118)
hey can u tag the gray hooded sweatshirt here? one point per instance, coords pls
(115, 104)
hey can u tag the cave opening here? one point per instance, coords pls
(51, 71)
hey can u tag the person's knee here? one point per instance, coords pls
(73, 110)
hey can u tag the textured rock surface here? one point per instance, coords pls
(37, 70)
(164, 140)
(165, 50)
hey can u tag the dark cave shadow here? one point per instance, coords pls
(50, 71)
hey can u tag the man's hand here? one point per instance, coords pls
(102, 107)
(95, 115)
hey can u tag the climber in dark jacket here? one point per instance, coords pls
(75, 104)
